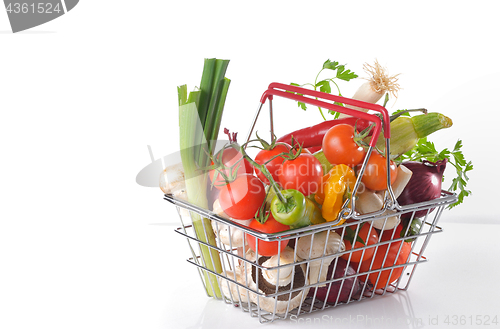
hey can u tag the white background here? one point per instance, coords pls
(83, 246)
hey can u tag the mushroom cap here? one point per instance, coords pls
(228, 235)
(287, 300)
(319, 245)
(387, 223)
(231, 290)
(172, 181)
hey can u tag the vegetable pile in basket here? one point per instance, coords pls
(306, 178)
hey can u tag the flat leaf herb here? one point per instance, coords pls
(426, 150)
(325, 85)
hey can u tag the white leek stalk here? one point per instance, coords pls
(196, 181)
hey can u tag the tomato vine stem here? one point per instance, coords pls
(266, 173)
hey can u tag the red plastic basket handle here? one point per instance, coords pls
(299, 94)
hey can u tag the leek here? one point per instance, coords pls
(196, 194)
(211, 103)
(200, 114)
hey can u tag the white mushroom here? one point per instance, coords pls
(231, 290)
(319, 245)
(402, 179)
(217, 209)
(234, 291)
(173, 182)
(282, 276)
(370, 201)
(389, 222)
(230, 235)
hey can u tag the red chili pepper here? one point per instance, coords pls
(313, 136)
(313, 149)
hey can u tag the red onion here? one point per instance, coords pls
(424, 185)
(349, 284)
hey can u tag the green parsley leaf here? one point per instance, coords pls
(341, 73)
(329, 65)
(302, 105)
(426, 150)
(344, 74)
(324, 86)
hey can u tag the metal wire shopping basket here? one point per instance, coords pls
(294, 283)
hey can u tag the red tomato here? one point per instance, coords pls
(242, 198)
(375, 175)
(303, 174)
(395, 233)
(274, 165)
(339, 146)
(267, 248)
(393, 258)
(231, 158)
(367, 234)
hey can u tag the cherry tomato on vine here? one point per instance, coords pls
(242, 198)
(273, 165)
(231, 158)
(340, 147)
(303, 174)
(267, 248)
(375, 175)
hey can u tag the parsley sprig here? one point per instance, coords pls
(325, 85)
(426, 150)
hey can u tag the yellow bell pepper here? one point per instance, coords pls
(335, 183)
(319, 196)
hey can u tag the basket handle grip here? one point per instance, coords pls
(299, 93)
